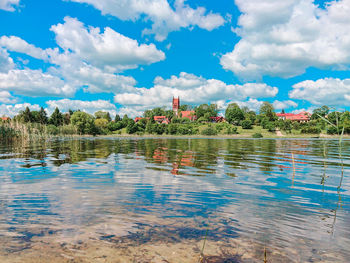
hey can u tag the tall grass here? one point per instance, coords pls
(13, 130)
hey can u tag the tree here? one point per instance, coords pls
(56, 118)
(322, 111)
(26, 115)
(267, 110)
(101, 123)
(117, 118)
(84, 122)
(103, 115)
(211, 109)
(234, 114)
(42, 118)
(149, 128)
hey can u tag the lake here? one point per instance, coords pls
(175, 200)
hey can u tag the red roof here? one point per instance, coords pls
(162, 119)
(188, 114)
(140, 118)
(5, 118)
(302, 116)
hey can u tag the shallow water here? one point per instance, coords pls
(159, 200)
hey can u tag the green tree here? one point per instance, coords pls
(56, 118)
(234, 114)
(42, 118)
(267, 110)
(117, 118)
(103, 115)
(84, 122)
(322, 111)
(211, 110)
(26, 115)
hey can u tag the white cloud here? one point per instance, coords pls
(279, 105)
(86, 106)
(12, 110)
(107, 50)
(192, 90)
(90, 59)
(164, 18)
(283, 38)
(34, 83)
(95, 80)
(17, 44)
(9, 5)
(6, 63)
(7, 98)
(252, 104)
(327, 91)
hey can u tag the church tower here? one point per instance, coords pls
(176, 105)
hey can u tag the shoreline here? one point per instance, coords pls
(235, 136)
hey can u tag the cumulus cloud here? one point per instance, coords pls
(6, 63)
(85, 57)
(192, 89)
(9, 5)
(17, 44)
(164, 18)
(7, 98)
(107, 50)
(34, 83)
(283, 38)
(86, 106)
(327, 91)
(12, 110)
(279, 105)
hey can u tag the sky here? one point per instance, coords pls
(126, 56)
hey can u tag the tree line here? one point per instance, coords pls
(323, 119)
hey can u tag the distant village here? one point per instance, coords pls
(301, 117)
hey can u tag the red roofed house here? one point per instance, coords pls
(140, 118)
(161, 119)
(300, 117)
(5, 118)
(190, 114)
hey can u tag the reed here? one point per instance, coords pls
(201, 256)
(265, 255)
(14, 130)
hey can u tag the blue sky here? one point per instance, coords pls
(128, 56)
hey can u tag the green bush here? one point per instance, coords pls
(247, 124)
(183, 130)
(270, 126)
(172, 128)
(52, 129)
(332, 130)
(257, 135)
(311, 130)
(231, 130)
(209, 131)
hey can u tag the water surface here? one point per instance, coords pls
(157, 200)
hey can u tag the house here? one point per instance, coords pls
(190, 114)
(300, 117)
(140, 118)
(5, 118)
(161, 119)
(217, 119)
